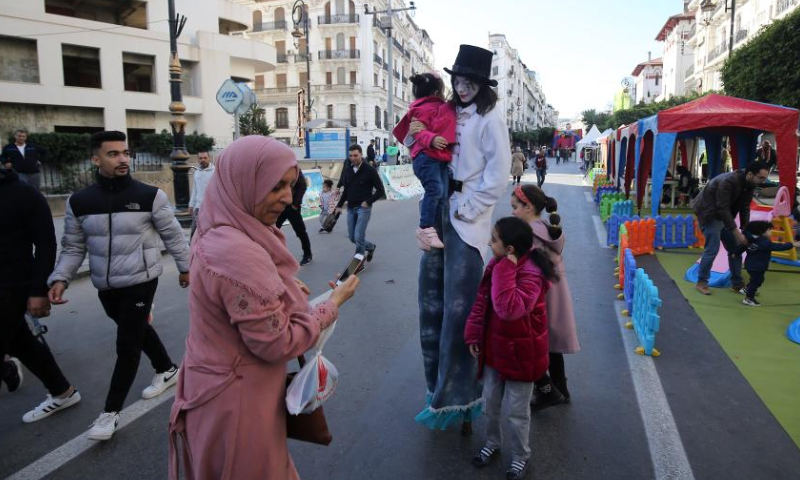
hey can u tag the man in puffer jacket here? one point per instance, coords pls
(119, 221)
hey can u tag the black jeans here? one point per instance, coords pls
(17, 340)
(298, 225)
(756, 280)
(129, 307)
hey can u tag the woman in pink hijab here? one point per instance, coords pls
(249, 316)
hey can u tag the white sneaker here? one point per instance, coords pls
(104, 427)
(50, 406)
(160, 383)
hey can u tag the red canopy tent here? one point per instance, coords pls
(729, 115)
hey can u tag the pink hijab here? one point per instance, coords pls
(230, 240)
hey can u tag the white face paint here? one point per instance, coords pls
(466, 89)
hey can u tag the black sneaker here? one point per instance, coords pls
(517, 470)
(546, 396)
(751, 302)
(370, 253)
(12, 374)
(485, 456)
(306, 260)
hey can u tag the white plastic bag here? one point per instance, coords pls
(315, 382)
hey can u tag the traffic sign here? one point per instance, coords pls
(229, 96)
(248, 98)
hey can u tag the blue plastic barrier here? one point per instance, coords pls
(675, 232)
(612, 228)
(630, 280)
(622, 208)
(645, 313)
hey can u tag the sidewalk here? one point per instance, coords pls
(83, 271)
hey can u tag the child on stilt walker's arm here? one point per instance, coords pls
(430, 150)
(507, 332)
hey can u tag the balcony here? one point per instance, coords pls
(339, 54)
(740, 35)
(282, 58)
(336, 87)
(270, 26)
(377, 59)
(717, 51)
(301, 57)
(689, 72)
(397, 75)
(405, 79)
(377, 24)
(339, 19)
(385, 66)
(783, 5)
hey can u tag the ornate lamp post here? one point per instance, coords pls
(299, 15)
(179, 155)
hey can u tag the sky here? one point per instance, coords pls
(582, 49)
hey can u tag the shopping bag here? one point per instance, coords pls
(330, 221)
(315, 382)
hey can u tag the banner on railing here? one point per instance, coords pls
(312, 205)
(400, 182)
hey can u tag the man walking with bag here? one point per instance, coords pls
(119, 221)
(362, 188)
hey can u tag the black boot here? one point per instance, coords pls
(545, 394)
(561, 385)
(558, 374)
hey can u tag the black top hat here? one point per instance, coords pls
(474, 63)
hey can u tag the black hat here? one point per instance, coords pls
(474, 63)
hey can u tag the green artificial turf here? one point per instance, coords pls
(753, 337)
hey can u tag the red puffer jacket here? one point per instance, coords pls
(509, 320)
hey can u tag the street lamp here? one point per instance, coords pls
(179, 155)
(390, 14)
(299, 14)
(708, 8)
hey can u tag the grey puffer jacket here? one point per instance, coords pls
(119, 222)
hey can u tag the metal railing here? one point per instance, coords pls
(301, 57)
(397, 75)
(717, 51)
(337, 19)
(270, 26)
(335, 87)
(339, 54)
(63, 178)
(377, 24)
(740, 35)
(282, 58)
(377, 59)
(277, 90)
(782, 5)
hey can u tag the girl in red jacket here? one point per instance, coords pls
(430, 150)
(507, 332)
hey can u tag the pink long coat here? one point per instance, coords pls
(228, 421)
(560, 316)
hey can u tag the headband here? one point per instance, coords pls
(521, 196)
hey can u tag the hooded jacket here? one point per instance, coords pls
(723, 198)
(759, 252)
(509, 320)
(119, 222)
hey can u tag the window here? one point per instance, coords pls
(328, 78)
(352, 78)
(259, 83)
(190, 85)
(257, 20)
(81, 66)
(303, 78)
(353, 122)
(494, 71)
(138, 72)
(281, 118)
(280, 80)
(19, 60)
(377, 117)
(385, 119)
(375, 77)
(340, 78)
(330, 112)
(127, 14)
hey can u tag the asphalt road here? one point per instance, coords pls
(726, 430)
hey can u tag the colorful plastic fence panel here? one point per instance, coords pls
(642, 235)
(623, 208)
(613, 228)
(601, 191)
(629, 285)
(595, 172)
(646, 320)
(675, 232)
(606, 202)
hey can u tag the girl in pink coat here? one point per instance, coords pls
(528, 202)
(249, 316)
(507, 331)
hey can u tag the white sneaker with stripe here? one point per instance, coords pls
(50, 406)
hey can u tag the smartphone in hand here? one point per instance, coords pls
(352, 268)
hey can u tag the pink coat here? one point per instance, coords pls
(230, 410)
(508, 320)
(560, 316)
(439, 118)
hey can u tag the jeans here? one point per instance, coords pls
(756, 280)
(517, 397)
(129, 307)
(17, 340)
(433, 174)
(448, 285)
(715, 233)
(195, 214)
(295, 218)
(357, 221)
(540, 173)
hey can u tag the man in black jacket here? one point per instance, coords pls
(27, 256)
(294, 214)
(716, 207)
(371, 152)
(24, 158)
(362, 188)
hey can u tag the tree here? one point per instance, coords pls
(254, 122)
(589, 117)
(767, 68)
